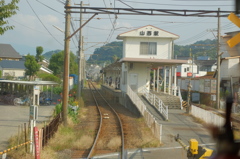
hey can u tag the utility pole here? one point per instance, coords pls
(218, 63)
(66, 63)
(79, 90)
(80, 56)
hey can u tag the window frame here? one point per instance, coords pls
(148, 48)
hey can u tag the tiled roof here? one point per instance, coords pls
(12, 64)
(7, 51)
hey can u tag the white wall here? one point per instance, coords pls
(230, 67)
(131, 48)
(181, 68)
(143, 73)
(15, 73)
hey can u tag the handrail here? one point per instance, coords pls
(180, 96)
(156, 102)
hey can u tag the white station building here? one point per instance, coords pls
(145, 49)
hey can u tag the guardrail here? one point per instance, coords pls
(152, 123)
(156, 102)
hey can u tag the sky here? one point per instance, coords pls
(42, 23)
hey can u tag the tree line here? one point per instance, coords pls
(111, 52)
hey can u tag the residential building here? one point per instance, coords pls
(7, 52)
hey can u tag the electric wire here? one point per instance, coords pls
(42, 23)
(49, 7)
(61, 2)
(141, 2)
(125, 4)
(73, 29)
(193, 38)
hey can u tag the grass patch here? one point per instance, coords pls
(114, 143)
(85, 142)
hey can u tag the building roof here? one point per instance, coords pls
(205, 62)
(30, 82)
(7, 51)
(143, 32)
(151, 60)
(9, 64)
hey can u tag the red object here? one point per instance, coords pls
(36, 143)
(189, 74)
(70, 95)
(178, 74)
(59, 100)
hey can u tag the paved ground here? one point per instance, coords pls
(13, 116)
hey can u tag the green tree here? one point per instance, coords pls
(57, 64)
(6, 11)
(39, 56)
(48, 77)
(32, 67)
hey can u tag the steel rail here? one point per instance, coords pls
(100, 124)
(119, 120)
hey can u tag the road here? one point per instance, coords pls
(13, 116)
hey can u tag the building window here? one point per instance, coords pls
(148, 48)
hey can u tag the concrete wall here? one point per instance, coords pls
(142, 71)
(116, 96)
(230, 67)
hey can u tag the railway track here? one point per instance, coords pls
(110, 130)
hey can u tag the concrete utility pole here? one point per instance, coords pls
(218, 63)
(66, 63)
(80, 44)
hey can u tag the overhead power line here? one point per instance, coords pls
(42, 23)
(196, 5)
(49, 7)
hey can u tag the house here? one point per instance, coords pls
(7, 52)
(230, 66)
(145, 49)
(196, 68)
(12, 68)
(12, 64)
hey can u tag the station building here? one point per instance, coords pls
(145, 50)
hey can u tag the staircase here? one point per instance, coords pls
(173, 102)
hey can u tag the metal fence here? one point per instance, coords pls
(207, 116)
(155, 127)
(49, 130)
(156, 102)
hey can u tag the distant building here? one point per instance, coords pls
(7, 52)
(12, 68)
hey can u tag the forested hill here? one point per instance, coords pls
(49, 54)
(112, 51)
(107, 53)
